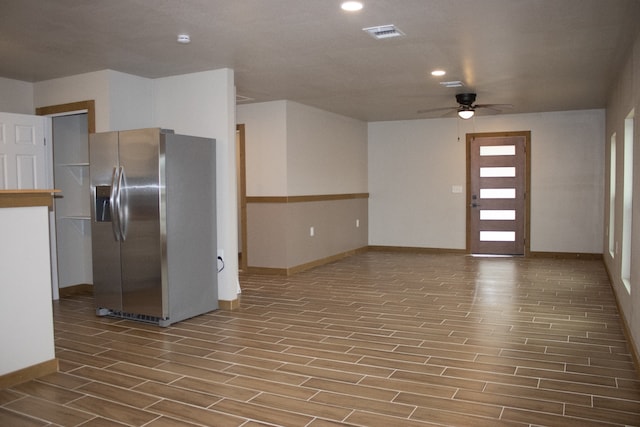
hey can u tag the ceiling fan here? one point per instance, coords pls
(466, 109)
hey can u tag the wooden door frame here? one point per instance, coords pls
(527, 183)
(88, 106)
(242, 182)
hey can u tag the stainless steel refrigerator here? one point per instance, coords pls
(153, 225)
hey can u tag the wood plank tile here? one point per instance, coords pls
(560, 396)
(299, 406)
(47, 392)
(113, 411)
(7, 395)
(602, 414)
(551, 420)
(361, 403)
(360, 390)
(15, 419)
(223, 390)
(260, 385)
(510, 401)
(144, 372)
(483, 409)
(409, 387)
(262, 413)
(331, 374)
(169, 422)
(376, 339)
(193, 414)
(108, 377)
(118, 394)
(178, 394)
(49, 411)
(196, 372)
(462, 419)
(102, 422)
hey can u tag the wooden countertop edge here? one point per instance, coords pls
(30, 191)
(27, 198)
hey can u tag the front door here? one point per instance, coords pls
(497, 193)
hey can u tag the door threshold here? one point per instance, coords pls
(494, 256)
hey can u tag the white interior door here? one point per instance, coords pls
(26, 163)
(23, 152)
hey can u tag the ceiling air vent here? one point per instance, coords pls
(454, 83)
(383, 32)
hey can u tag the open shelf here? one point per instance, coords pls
(80, 171)
(80, 222)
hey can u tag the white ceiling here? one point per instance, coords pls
(539, 55)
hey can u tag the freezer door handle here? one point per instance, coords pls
(113, 204)
(122, 204)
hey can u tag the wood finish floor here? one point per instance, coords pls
(377, 339)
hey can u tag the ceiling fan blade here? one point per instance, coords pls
(493, 106)
(433, 110)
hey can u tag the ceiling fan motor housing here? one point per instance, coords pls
(466, 98)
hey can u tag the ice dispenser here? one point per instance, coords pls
(103, 203)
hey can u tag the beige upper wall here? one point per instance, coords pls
(294, 150)
(326, 152)
(16, 96)
(122, 101)
(200, 104)
(413, 166)
(266, 147)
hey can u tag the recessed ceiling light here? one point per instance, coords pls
(351, 6)
(184, 38)
(438, 73)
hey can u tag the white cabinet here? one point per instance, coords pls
(72, 208)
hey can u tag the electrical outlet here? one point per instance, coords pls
(312, 231)
(357, 223)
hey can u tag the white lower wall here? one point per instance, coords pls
(414, 164)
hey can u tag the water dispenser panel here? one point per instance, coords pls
(103, 204)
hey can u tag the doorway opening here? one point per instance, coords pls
(498, 193)
(70, 232)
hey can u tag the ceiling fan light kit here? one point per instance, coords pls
(465, 112)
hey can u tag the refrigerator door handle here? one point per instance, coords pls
(122, 204)
(113, 204)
